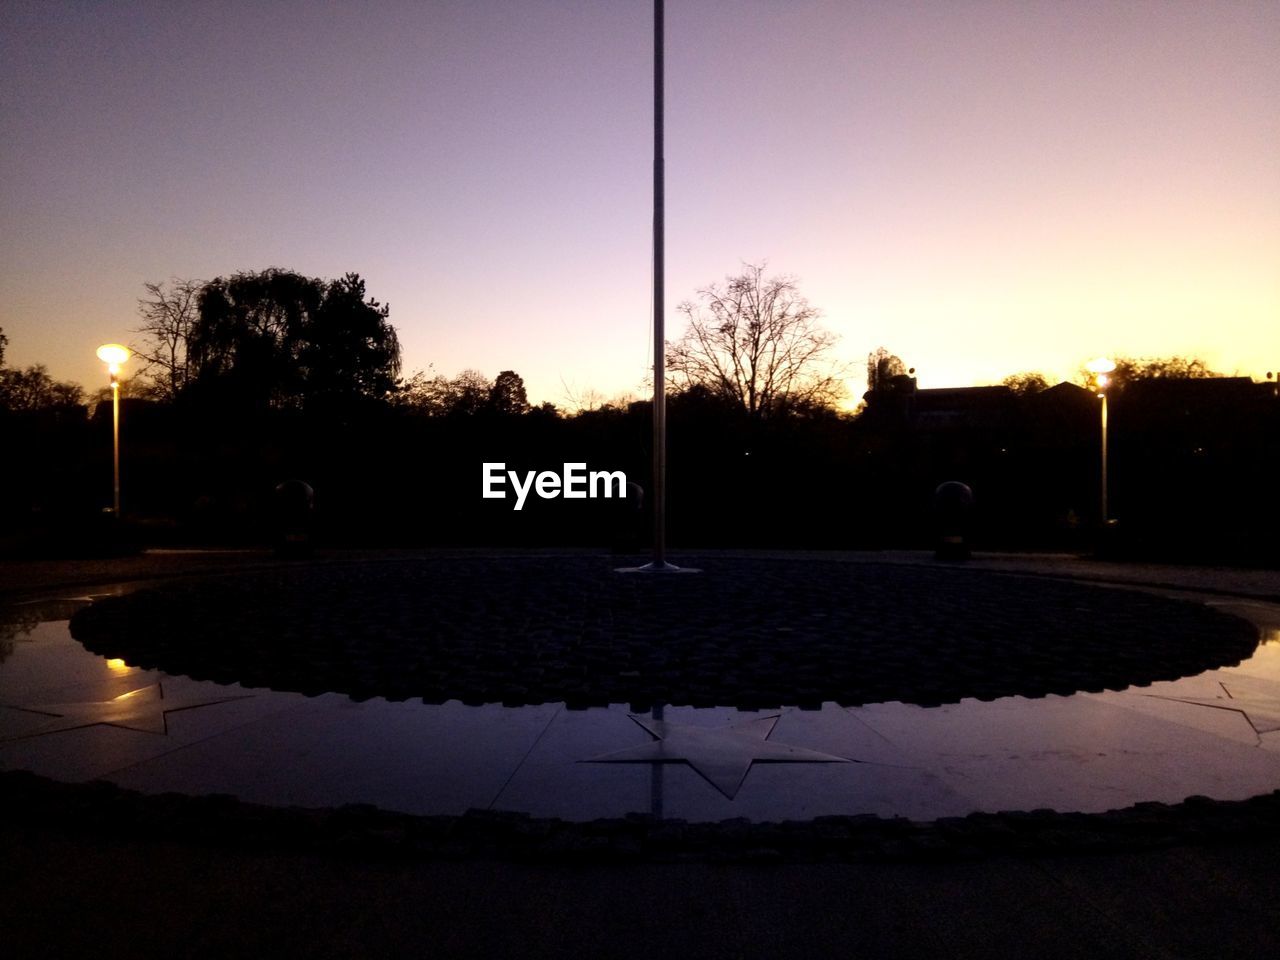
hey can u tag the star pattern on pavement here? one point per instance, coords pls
(144, 709)
(1262, 712)
(720, 755)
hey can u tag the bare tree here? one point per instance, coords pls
(430, 396)
(755, 342)
(168, 316)
(465, 395)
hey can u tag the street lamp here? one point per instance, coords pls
(114, 355)
(1101, 368)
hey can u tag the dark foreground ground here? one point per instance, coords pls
(72, 885)
(116, 896)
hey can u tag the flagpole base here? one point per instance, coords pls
(656, 567)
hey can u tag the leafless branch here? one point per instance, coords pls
(756, 342)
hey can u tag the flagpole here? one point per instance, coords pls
(659, 562)
(659, 332)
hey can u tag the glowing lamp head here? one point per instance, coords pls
(1101, 366)
(113, 355)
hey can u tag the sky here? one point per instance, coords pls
(983, 188)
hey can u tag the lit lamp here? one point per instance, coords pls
(114, 355)
(1101, 369)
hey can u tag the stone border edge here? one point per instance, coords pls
(367, 833)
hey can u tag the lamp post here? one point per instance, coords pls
(1101, 368)
(114, 355)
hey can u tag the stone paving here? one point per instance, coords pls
(97, 868)
(746, 632)
(762, 704)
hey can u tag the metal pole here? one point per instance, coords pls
(659, 562)
(659, 335)
(1104, 458)
(115, 440)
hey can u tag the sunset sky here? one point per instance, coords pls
(981, 187)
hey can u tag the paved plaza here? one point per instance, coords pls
(1008, 687)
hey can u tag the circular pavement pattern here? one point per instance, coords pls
(745, 633)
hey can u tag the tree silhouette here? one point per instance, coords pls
(168, 317)
(349, 352)
(279, 340)
(33, 389)
(1026, 384)
(1130, 370)
(755, 341)
(465, 395)
(882, 369)
(507, 395)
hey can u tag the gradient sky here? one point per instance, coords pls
(981, 187)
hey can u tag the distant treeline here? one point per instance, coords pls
(1194, 464)
(259, 378)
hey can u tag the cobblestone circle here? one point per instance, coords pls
(747, 633)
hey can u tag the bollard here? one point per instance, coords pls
(630, 522)
(953, 516)
(294, 503)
